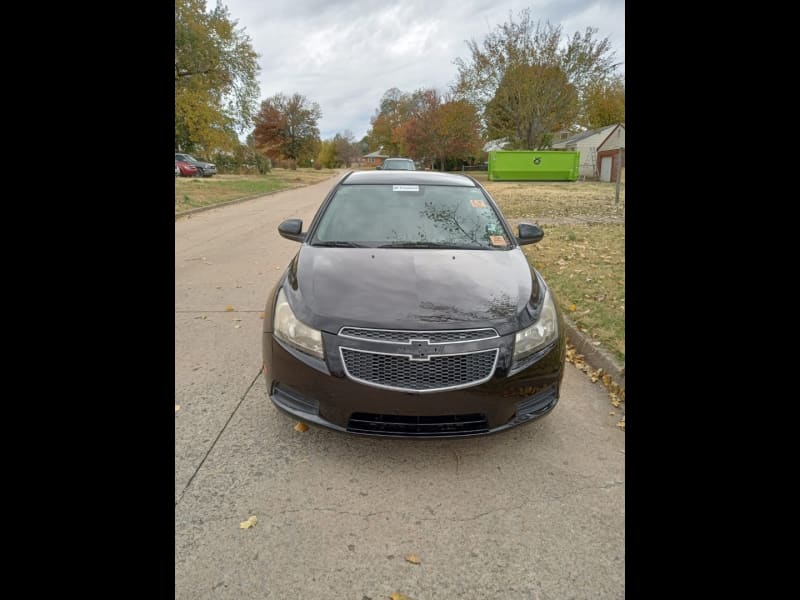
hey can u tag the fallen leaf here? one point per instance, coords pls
(398, 596)
(261, 315)
(236, 326)
(177, 407)
(594, 378)
(249, 523)
(229, 308)
(237, 319)
(621, 424)
(301, 427)
(572, 307)
(612, 413)
(413, 558)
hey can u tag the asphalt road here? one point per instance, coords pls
(537, 512)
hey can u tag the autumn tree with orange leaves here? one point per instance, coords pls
(286, 127)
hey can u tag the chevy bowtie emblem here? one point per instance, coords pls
(422, 350)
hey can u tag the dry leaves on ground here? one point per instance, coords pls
(398, 596)
(177, 407)
(615, 392)
(249, 523)
(229, 308)
(413, 558)
(301, 427)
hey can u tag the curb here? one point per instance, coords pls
(597, 358)
(192, 211)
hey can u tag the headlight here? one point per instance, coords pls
(294, 332)
(541, 333)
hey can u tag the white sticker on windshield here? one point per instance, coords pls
(405, 188)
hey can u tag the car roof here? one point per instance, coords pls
(406, 178)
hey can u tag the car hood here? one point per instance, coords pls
(398, 288)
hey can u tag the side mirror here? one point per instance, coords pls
(291, 228)
(378, 168)
(529, 234)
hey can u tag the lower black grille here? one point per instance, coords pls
(399, 372)
(421, 426)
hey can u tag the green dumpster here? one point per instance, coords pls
(529, 165)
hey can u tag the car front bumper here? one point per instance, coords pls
(321, 393)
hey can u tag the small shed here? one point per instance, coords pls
(611, 150)
(586, 143)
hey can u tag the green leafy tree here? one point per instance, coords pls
(583, 59)
(530, 103)
(216, 91)
(327, 154)
(286, 127)
(605, 103)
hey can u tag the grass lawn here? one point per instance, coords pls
(582, 254)
(585, 266)
(589, 200)
(194, 192)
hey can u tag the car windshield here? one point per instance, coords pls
(185, 157)
(406, 165)
(410, 216)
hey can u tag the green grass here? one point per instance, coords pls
(585, 267)
(194, 192)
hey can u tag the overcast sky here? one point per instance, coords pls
(345, 54)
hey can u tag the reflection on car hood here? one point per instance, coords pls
(395, 288)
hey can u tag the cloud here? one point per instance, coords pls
(345, 54)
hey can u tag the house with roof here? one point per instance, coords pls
(586, 143)
(611, 150)
(373, 159)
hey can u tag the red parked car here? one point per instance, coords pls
(187, 169)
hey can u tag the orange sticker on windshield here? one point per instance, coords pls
(477, 204)
(498, 240)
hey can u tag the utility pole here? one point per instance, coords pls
(619, 168)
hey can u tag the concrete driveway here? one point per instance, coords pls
(534, 513)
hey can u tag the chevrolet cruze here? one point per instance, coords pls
(411, 310)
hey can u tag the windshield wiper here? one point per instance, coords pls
(339, 244)
(430, 245)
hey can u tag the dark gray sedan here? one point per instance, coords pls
(411, 310)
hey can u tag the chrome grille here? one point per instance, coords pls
(434, 337)
(439, 373)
